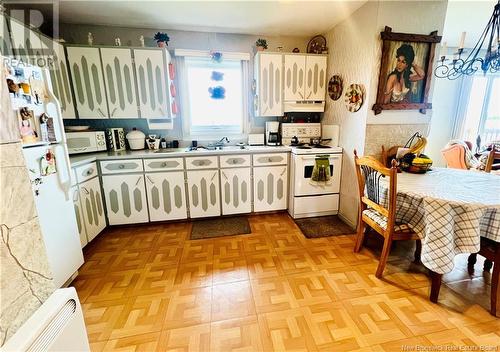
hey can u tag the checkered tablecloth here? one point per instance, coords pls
(450, 209)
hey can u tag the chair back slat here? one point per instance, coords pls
(370, 173)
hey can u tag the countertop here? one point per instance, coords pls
(82, 159)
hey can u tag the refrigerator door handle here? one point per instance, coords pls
(51, 111)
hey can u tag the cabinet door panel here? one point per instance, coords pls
(26, 42)
(120, 83)
(80, 222)
(203, 190)
(294, 72)
(166, 195)
(269, 83)
(315, 78)
(5, 43)
(59, 77)
(88, 84)
(125, 199)
(236, 197)
(270, 188)
(93, 211)
(151, 83)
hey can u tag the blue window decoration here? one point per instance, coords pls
(216, 56)
(218, 92)
(217, 76)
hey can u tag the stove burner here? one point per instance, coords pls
(321, 146)
(304, 147)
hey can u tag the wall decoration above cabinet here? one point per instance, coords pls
(88, 82)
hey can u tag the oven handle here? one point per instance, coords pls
(314, 157)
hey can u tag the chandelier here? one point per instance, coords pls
(487, 59)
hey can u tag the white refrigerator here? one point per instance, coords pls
(51, 185)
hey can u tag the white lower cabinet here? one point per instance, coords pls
(125, 199)
(203, 190)
(79, 215)
(270, 185)
(166, 196)
(92, 208)
(236, 191)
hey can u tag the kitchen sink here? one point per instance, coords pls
(211, 149)
(161, 151)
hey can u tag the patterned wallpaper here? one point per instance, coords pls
(354, 53)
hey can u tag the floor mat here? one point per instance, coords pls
(323, 226)
(220, 227)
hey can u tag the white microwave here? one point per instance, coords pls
(85, 142)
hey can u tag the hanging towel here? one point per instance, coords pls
(321, 171)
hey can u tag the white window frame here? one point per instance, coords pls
(215, 132)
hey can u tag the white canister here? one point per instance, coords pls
(136, 139)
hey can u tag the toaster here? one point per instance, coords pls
(115, 139)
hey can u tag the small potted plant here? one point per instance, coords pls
(161, 39)
(261, 44)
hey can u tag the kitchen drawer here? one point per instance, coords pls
(121, 166)
(86, 172)
(164, 164)
(234, 161)
(202, 162)
(270, 159)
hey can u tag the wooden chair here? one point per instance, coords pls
(389, 154)
(491, 251)
(492, 156)
(372, 213)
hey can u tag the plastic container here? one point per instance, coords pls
(136, 139)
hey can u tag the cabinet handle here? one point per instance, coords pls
(309, 94)
(85, 190)
(215, 174)
(302, 96)
(138, 180)
(164, 164)
(284, 170)
(149, 179)
(89, 172)
(121, 166)
(223, 174)
(100, 111)
(201, 162)
(75, 196)
(162, 111)
(270, 160)
(113, 112)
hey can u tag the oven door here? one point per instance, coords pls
(303, 167)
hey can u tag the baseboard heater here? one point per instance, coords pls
(57, 325)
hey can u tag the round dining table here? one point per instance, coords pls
(450, 210)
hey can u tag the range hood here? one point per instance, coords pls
(304, 106)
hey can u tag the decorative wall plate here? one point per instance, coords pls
(335, 87)
(354, 97)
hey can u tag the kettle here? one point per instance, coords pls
(294, 140)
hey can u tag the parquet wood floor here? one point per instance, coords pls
(150, 288)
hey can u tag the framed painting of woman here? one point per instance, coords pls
(405, 71)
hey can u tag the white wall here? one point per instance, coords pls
(355, 52)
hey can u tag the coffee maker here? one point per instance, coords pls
(273, 136)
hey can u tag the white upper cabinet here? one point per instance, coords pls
(88, 83)
(5, 43)
(268, 76)
(119, 82)
(59, 77)
(26, 42)
(315, 77)
(294, 73)
(152, 83)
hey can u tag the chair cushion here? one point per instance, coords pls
(382, 221)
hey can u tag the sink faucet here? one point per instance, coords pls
(221, 142)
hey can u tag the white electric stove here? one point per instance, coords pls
(308, 199)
